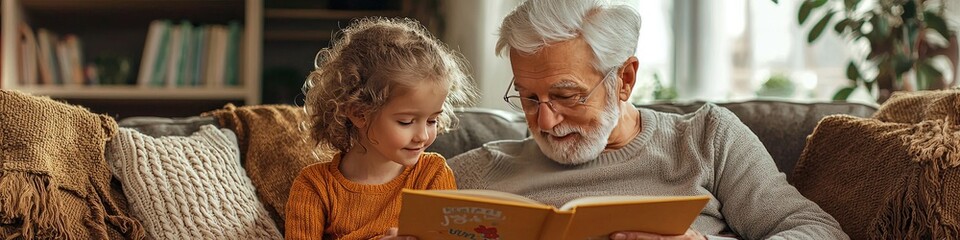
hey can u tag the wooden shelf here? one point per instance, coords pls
(126, 13)
(132, 6)
(297, 35)
(136, 92)
(325, 14)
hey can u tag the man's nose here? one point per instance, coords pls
(547, 118)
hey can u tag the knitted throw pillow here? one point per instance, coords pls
(189, 187)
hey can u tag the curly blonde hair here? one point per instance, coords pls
(373, 58)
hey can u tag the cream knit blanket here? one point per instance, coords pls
(189, 187)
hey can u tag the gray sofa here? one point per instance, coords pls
(782, 126)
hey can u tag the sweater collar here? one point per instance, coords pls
(392, 185)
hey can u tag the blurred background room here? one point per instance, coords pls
(177, 58)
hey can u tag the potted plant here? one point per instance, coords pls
(904, 36)
(777, 85)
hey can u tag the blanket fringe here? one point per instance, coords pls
(916, 212)
(26, 199)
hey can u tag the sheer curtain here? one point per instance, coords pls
(726, 51)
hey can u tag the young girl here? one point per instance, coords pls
(378, 97)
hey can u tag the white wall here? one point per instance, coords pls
(471, 28)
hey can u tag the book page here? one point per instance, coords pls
(505, 196)
(659, 215)
(613, 200)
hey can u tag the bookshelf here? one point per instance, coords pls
(279, 41)
(119, 28)
(295, 30)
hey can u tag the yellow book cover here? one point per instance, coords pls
(486, 214)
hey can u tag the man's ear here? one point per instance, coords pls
(628, 78)
(356, 117)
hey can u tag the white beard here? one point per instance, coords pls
(585, 145)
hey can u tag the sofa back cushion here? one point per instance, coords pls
(161, 126)
(476, 127)
(782, 126)
(189, 187)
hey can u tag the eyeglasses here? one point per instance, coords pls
(531, 106)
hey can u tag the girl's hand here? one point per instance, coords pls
(392, 235)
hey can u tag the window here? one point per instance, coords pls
(655, 50)
(727, 50)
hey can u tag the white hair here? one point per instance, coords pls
(611, 30)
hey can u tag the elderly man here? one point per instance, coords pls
(574, 70)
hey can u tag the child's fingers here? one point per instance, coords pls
(392, 235)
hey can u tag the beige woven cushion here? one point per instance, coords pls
(189, 187)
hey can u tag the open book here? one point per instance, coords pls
(485, 214)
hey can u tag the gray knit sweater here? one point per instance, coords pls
(707, 152)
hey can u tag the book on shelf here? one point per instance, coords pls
(49, 69)
(74, 53)
(185, 59)
(63, 60)
(28, 56)
(156, 58)
(174, 57)
(181, 55)
(58, 60)
(158, 74)
(232, 67)
(215, 67)
(203, 43)
(485, 214)
(70, 60)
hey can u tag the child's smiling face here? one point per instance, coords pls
(407, 124)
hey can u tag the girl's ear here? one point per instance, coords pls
(357, 118)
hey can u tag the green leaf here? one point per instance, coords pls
(851, 4)
(857, 27)
(927, 76)
(881, 26)
(776, 1)
(808, 7)
(901, 64)
(818, 3)
(912, 32)
(843, 94)
(818, 29)
(852, 72)
(932, 20)
(841, 25)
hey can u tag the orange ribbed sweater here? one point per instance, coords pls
(325, 205)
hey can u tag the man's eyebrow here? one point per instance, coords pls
(566, 84)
